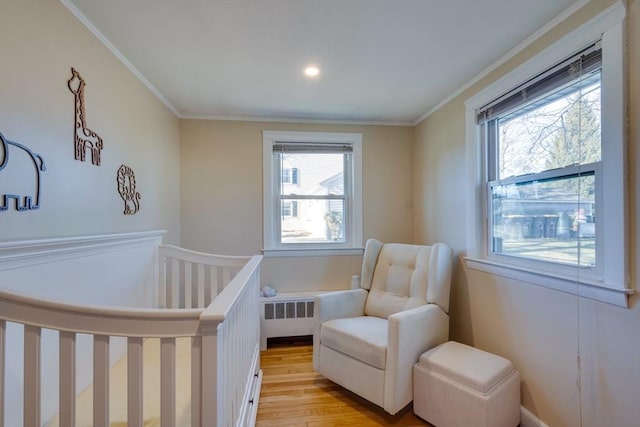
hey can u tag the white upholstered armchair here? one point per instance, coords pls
(367, 339)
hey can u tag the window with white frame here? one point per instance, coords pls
(312, 193)
(547, 147)
(544, 156)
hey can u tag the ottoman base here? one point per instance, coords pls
(447, 396)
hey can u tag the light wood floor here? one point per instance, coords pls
(293, 394)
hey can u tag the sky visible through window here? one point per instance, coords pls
(559, 133)
(553, 218)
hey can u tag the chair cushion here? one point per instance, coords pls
(467, 365)
(399, 280)
(363, 338)
(369, 260)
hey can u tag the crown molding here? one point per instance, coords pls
(294, 120)
(96, 32)
(578, 4)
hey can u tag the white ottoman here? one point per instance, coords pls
(457, 385)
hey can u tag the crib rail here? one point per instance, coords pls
(190, 279)
(237, 365)
(224, 342)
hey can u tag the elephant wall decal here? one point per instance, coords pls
(10, 150)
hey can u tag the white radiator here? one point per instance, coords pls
(286, 315)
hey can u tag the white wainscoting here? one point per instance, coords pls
(114, 270)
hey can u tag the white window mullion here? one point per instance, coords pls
(270, 193)
(348, 196)
(601, 226)
(613, 204)
(277, 204)
(356, 208)
(549, 174)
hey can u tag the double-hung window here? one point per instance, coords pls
(312, 193)
(544, 164)
(548, 157)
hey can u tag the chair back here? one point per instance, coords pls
(401, 276)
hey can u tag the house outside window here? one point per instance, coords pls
(289, 209)
(545, 145)
(543, 164)
(290, 175)
(312, 193)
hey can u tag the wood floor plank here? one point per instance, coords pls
(294, 395)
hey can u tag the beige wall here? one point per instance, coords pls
(39, 43)
(211, 199)
(539, 329)
(221, 188)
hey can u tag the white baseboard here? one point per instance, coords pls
(527, 419)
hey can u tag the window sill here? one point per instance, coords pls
(584, 288)
(272, 253)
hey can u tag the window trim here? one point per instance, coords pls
(612, 285)
(353, 238)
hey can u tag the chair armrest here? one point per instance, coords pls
(338, 305)
(355, 281)
(411, 333)
(335, 305)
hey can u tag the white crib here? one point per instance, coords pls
(71, 308)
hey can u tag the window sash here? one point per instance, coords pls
(593, 272)
(580, 70)
(489, 137)
(346, 197)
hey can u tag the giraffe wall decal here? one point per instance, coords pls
(83, 136)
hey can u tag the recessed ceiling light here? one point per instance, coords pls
(312, 71)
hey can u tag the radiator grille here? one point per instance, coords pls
(288, 310)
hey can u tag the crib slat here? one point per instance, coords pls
(2, 335)
(67, 403)
(196, 361)
(162, 289)
(31, 405)
(188, 286)
(134, 382)
(167, 382)
(212, 412)
(213, 283)
(175, 271)
(226, 277)
(101, 381)
(201, 286)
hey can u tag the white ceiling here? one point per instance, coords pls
(381, 61)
